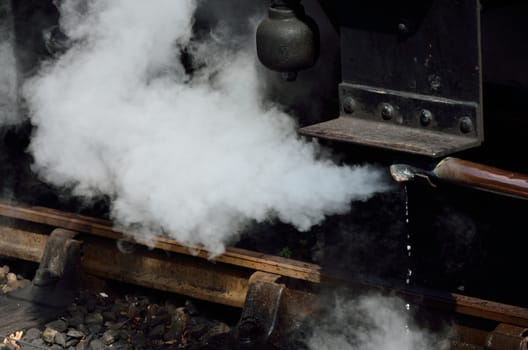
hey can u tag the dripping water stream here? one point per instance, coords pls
(408, 251)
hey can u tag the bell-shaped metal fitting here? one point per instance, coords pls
(288, 39)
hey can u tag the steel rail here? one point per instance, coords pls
(233, 256)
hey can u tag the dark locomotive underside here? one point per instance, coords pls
(463, 240)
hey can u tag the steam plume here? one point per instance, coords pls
(371, 322)
(8, 69)
(196, 155)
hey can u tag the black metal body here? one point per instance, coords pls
(411, 68)
(288, 39)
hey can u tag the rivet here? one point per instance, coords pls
(426, 117)
(349, 105)
(403, 28)
(466, 125)
(387, 111)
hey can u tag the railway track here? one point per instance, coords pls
(275, 293)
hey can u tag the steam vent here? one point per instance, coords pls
(266, 174)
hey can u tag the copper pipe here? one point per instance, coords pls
(469, 174)
(482, 176)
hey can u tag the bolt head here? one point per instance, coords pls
(349, 105)
(466, 125)
(426, 117)
(387, 111)
(403, 28)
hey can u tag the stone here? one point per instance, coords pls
(120, 345)
(14, 285)
(58, 325)
(38, 342)
(125, 334)
(109, 316)
(173, 333)
(156, 332)
(215, 329)
(83, 345)
(110, 336)
(49, 335)
(138, 339)
(96, 344)
(94, 318)
(198, 327)
(11, 277)
(83, 328)
(31, 334)
(60, 339)
(74, 333)
(95, 328)
(75, 319)
(190, 308)
(72, 342)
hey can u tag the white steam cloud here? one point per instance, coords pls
(195, 156)
(371, 322)
(8, 68)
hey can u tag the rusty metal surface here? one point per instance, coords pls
(482, 176)
(467, 305)
(178, 273)
(467, 338)
(389, 136)
(22, 243)
(232, 256)
(507, 337)
(261, 310)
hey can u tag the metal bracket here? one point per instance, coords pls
(402, 121)
(259, 315)
(52, 288)
(273, 315)
(411, 77)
